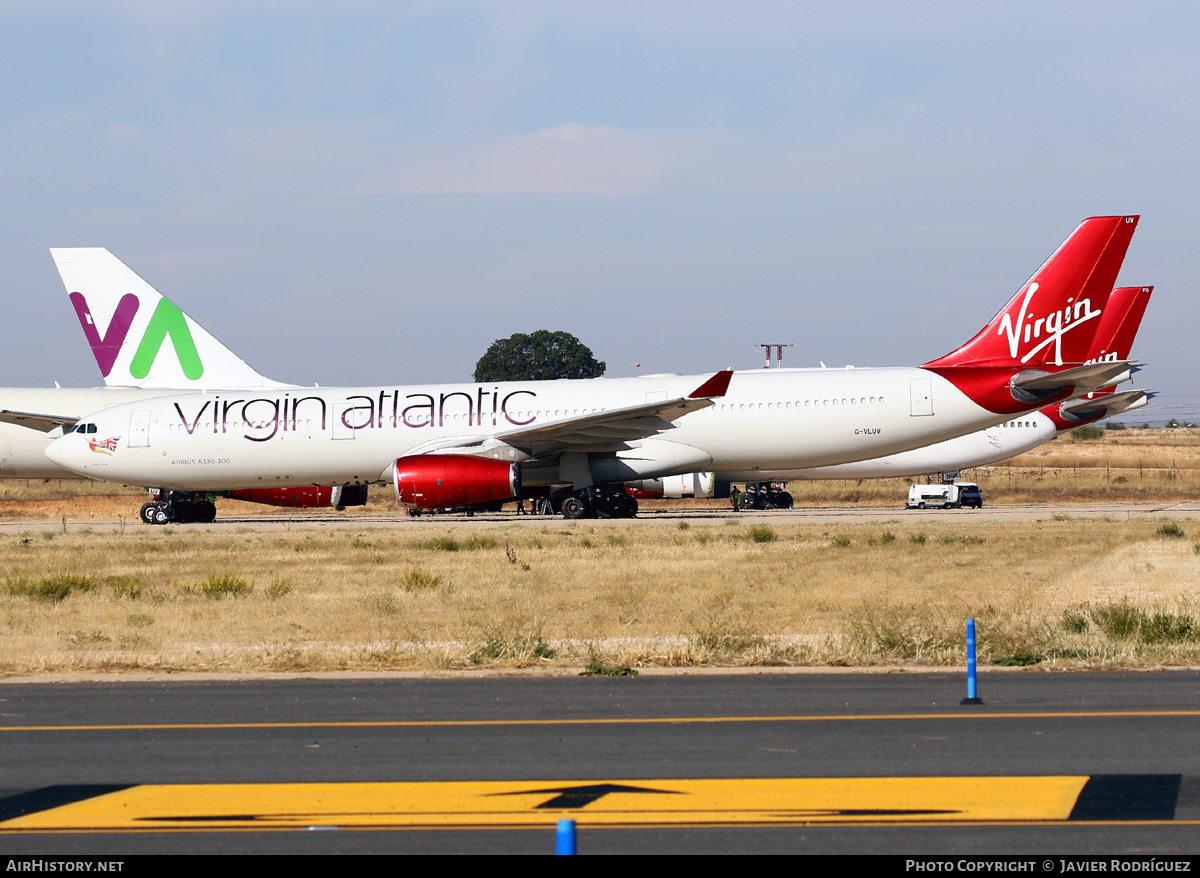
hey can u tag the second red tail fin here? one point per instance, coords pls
(1119, 325)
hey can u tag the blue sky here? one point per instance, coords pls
(359, 192)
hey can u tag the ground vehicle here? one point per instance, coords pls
(952, 495)
(969, 494)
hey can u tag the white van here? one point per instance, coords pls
(950, 496)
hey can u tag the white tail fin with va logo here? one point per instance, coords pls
(138, 336)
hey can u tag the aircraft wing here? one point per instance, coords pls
(599, 431)
(34, 421)
(602, 430)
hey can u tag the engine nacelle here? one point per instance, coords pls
(337, 495)
(435, 481)
(674, 487)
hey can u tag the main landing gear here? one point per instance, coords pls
(599, 501)
(764, 495)
(178, 507)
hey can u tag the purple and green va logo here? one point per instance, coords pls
(167, 320)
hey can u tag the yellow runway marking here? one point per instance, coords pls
(677, 720)
(771, 801)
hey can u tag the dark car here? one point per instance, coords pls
(969, 495)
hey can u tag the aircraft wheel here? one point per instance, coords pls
(783, 500)
(205, 511)
(619, 507)
(160, 515)
(606, 507)
(746, 501)
(573, 508)
(146, 514)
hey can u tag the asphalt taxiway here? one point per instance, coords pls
(830, 762)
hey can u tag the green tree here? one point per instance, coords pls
(539, 356)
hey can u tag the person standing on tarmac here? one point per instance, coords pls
(735, 496)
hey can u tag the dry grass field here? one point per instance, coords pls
(1074, 592)
(1090, 593)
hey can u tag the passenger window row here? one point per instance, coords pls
(807, 403)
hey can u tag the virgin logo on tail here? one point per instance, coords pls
(1056, 325)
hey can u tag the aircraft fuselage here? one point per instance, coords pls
(777, 419)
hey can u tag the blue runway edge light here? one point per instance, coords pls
(566, 837)
(972, 690)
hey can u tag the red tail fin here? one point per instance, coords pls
(1120, 323)
(1114, 339)
(1053, 319)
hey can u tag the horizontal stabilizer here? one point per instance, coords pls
(1093, 376)
(1137, 404)
(1104, 406)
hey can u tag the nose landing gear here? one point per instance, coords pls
(178, 507)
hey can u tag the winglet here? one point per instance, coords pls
(714, 386)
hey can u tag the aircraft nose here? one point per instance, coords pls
(63, 452)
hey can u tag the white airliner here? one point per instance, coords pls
(1113, 341)
(144, 346)
(450, 445)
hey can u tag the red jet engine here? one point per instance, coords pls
(436, 481)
